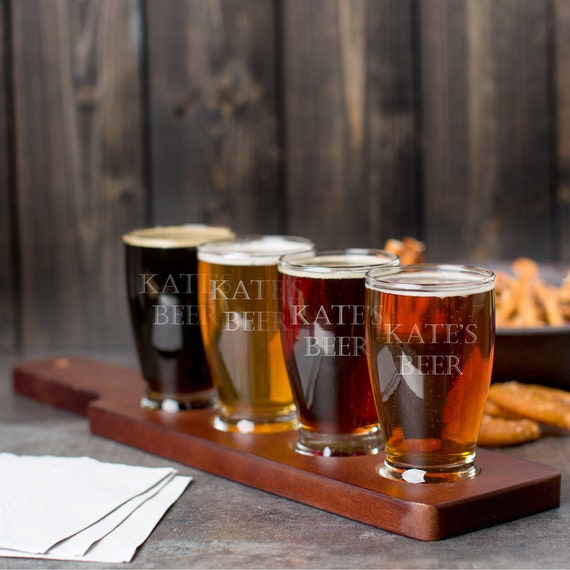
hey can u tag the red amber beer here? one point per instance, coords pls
(325, 349)
(162, 286)
(430, 331)
(240, 312)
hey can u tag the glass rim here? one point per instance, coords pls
(384, 278)
(306, 262)
(176, 236)
(249, 248)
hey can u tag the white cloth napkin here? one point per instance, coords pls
(78, 508)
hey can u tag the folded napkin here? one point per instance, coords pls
(78, 508)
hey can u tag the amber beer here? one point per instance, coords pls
(162, 288)
(240, 310)
(430, 332)
(325, 349)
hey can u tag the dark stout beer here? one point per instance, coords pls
(430, 335)
(325, 349)
(162, 284)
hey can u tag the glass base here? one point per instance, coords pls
(339, 445)
(257, 425)
(197, 401)
(453, 474)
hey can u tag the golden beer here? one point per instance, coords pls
(240, 314)
(430, 333)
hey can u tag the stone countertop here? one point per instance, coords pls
(221, 524)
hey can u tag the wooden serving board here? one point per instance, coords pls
(507, 488)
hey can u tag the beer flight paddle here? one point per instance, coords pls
(507, 487)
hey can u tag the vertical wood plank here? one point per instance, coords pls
(488, 129)
(447, 109)
(561, 27)
(350, 147)
(79, 165)
(213, 103)
(524, 102)
(8, 266)
(392, 201)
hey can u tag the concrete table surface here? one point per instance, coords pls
(221, 524)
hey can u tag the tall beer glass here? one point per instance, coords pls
(325, 349)
(161, 274)
(240, 312)
(430, 331)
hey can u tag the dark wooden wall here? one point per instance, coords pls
(347, 121)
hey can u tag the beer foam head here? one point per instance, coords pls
(189, 235)
(336, 264)
(431, 280)
(252, 250)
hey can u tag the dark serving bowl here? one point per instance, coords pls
(539, 355)
(534, 356)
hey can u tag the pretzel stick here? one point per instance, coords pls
(527, 271)
(525, 300)
(549, 298)
(409, 249)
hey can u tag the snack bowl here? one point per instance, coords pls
(537, 355)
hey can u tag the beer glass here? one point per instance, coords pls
(240, 312)
(161, 275)
(430, 331)
(323, 296)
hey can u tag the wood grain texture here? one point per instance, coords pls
(561, 51)
(349, 120)
(8, 265)
(213, 105)
(79, 153)
(523, 105)
(346, 121)
(488, 127)
(394, 196)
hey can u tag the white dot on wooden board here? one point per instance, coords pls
(414, 476)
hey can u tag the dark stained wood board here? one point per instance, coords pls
(507, 488)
